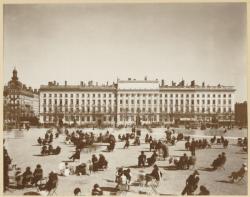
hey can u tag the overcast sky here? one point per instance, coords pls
(103, 42)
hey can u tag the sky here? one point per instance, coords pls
(103, 42)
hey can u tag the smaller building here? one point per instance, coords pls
(241, 114)
(21, 103)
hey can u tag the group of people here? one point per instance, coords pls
(99, 164)
(28, 178)
(184, 162)
(49, 150)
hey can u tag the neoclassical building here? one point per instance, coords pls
(130, 101)
(21, 103)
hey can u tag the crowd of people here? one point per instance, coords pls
(158, 148)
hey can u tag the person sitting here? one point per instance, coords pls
(142, 159)
(126, 143)
(239, 174)
(67, 140)
(81, 169)
(76, 155)
(94, 163)
(155, 174)
(97, 191)
(219, 161)
(111, 145)
(57, 150)
(147, 138)
(122, 182)
(152, 159)
(27, 177)
(19, 178)
(102, 162)
(191, 183)
(137, 141)
(51, 183)
(183, 162)
(128, 175)
(40, 141)
(37, 174)
(44, 151)
(118, 174)
(165, 151)
(191, 161)
(204, 191)
(77, 191)
(50, 150)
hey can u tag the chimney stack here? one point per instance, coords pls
(145, 78)
(193, 83)
(162, 82)
(203, 84)
(81, 83)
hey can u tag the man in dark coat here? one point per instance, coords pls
(142, 159)
(191, 183)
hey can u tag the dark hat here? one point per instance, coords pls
(196, 172)
(96, 185)
(77, 190)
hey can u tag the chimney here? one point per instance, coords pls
(145, 78)
(203, 84)
(129, 79)
(162, 82)
(193, 83)
(65, 83)
(107, 83)
(81, 83)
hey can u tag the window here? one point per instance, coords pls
(224, 102)
(218, 101)
(229, 95)
(66, 95)
(229, 102)
(208, 95)
(224, 95)
(155, 101)
(171, 95)
(208, 102)
(166, 95)
(77, 101)
(44, 95)
(176, 95)
(109, 95)
(66, 102)
(213, 102)
(104, 95)
(50, 101)
(55, 102)
(197, 95)
(93, 95)
(192, 95)
(71, 95)
(44, 109)
(187, 95)
(44, 101)
(198, 102)
(71, 101)
(213, 95)
(83, 95)
(149, 101)
(50, 95)
(138, 101)
(99, 95)
(127, 101)
(203, 95)
(144, 102)
(120, 101)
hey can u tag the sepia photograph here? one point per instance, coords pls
(125, 99)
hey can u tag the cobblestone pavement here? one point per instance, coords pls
(23, 149)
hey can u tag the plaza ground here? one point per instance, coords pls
(23, 149)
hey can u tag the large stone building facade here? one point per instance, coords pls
(21, 103)
(135, 101)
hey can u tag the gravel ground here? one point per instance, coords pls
(23, 149)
